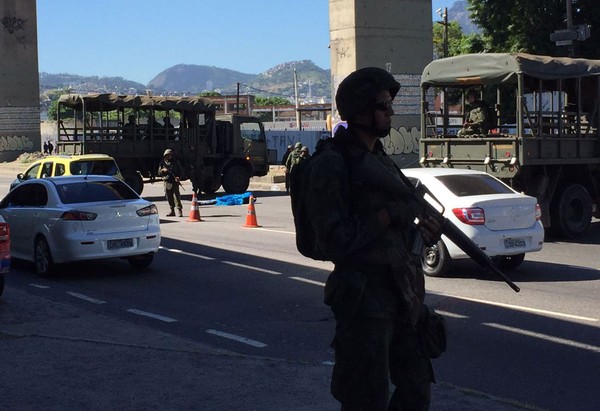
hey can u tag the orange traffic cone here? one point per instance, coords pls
(251, 216)
(194, 210)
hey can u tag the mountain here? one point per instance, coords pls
(313, 82)
(191, 78)
(458, 12)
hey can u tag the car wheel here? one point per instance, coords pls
(42, 258)
(141, 261)
(574, 212)
(236, 180)
(509, 262)
(1, 284)
(435, 260)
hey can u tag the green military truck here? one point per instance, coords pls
(215, 151)
(542, 134)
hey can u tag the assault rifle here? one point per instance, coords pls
(372, 172)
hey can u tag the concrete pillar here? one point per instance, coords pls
(392, 34)
(19, 81)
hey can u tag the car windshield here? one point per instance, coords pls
(99, 167)
(94, 191)
(463, 185)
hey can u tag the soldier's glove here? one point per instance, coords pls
(430, 230)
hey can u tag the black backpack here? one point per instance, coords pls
(306, 240)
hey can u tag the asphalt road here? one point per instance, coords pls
(248, 290)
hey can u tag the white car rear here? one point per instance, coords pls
(503, 223)
(63, 219)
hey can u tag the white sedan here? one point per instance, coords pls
(502, 222)
(63, 219)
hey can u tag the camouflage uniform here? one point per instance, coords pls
(376, 289)
(477, 120)
(172, 193)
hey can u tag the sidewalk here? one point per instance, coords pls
(56, 356)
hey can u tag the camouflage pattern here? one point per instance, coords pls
(376, 289)
(294, 158)
(171, 185)
(477, 120)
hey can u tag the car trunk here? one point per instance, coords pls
(113, 219)
(508, 212)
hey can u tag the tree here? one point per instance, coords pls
(209, 94)
(455, 37)
(53, 95)
(272, 101)
(526, 25)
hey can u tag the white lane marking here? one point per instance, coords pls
(250, 267)
(546, 337)
(86, 298)
(306, 280)
(237, 338)
(449, 314)
(39, 286)
(521, 308)
(152, 315)
(275, 231)
(174, 250)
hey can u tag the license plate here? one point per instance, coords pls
(116, 244)
(514, 243)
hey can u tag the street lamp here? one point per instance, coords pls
(444, 15)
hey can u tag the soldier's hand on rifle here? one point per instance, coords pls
(430, 229)
(177, 179)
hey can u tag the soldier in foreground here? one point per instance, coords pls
(376, 290)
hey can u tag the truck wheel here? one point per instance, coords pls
(134, 180)
(435, 260)
(573, 213)
(236, 180)
(211, 185)
(509, 262)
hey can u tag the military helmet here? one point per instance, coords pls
(167, 151)
(304, 149)
(298, 145)
(359, 89)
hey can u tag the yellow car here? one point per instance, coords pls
(70, 165)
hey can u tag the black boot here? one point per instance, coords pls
(172, 213)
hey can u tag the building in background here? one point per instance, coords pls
(19, 82)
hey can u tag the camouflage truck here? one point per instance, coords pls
(542, 137)
(214, 150)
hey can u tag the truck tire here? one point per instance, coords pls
(211, 185)
(236, 180)
(134, 180)
(573, 211)
(435, 260)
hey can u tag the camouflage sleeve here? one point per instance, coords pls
(340, 232)
(477, 116)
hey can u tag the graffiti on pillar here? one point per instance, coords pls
(15, 143)
(402, 141)
(12, 24)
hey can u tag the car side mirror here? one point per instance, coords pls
(20, 176)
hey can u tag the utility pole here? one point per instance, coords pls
(297, 101)
(571, 47)
(444, 23)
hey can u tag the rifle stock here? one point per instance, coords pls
(372, 172)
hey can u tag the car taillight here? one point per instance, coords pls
(470, 215)
(4, 247)
(538, 212)
(75, 215)
(151, 209)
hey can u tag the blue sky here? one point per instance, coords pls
(137, 39)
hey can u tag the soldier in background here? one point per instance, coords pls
(477, 121)
(170, 170)
(284, 161)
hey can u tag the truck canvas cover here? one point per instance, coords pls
(494, 68)
(112, 101)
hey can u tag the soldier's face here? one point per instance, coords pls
(382, 115)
